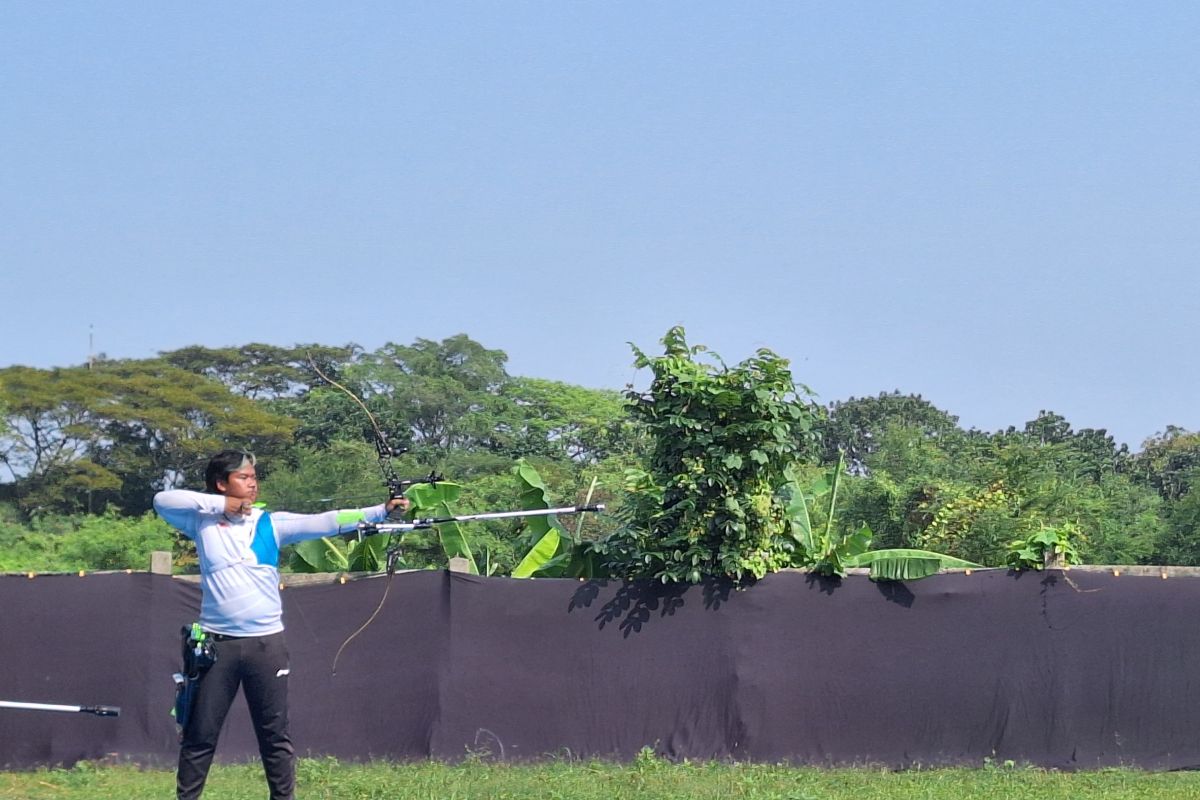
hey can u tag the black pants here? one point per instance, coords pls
(259, 664)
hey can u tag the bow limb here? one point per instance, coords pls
(374, 422)
(384, 452)
(382, 447)
(386, 586)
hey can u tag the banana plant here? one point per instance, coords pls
(332, 554)
(556, 553)
(433, 500)
(827, 552)
(335, 555)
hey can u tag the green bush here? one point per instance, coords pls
(62, 543)
(722, 442)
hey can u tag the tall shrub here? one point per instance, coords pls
(706, 501)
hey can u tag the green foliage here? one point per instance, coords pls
(259, 371)
(854, 428)
(1169, 462)
(332, 554)
(824, 550)
(557, 552)
(57, 543)
(440, 395)
(553, 420)
(434, 500)
(79, 439)
(553, 546)
(344, 474)
(319, 555)
(1050, 545)
(1179, 541)
(969, 494)
(74, 441)
(541, 556)
(705, 502)
(905, 564)
(828, 550)
(970, 520)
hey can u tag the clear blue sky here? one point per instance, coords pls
(992, 204)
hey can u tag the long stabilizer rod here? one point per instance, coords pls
(99, 711)
(396, 527)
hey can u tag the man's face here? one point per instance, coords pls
(242, 484)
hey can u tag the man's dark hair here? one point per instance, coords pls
(223, 463)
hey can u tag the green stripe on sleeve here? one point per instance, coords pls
(345, 518)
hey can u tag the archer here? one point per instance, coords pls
(241, 612)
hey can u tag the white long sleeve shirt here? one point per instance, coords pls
(239, 555)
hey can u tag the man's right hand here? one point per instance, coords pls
(238, 505)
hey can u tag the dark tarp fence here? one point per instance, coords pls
(1068, 670)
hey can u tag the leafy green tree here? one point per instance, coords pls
(457, 410)
(80, 439)
(722, 441)
(309, 480)
(443, 394)
(260, 371)
(905, 474)
(46, 415)
(854, 428)
(1168, 462)
(1089, 451)
(1122, 522)
(556, 420)
(1179, 540)
(971, 494)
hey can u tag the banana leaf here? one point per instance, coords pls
(539, 555)
(318, 555)
(425, 497)
(369, 555)
(800, 522)
(433, 500)
(856, 544)
(454, 541)
(533, 496)
(901, 564)
(551, 552)
(583, 563)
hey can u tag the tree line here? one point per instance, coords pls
(83, 449)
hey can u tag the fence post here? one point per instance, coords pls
(1053, 559)
(160, 562)
(459, 564)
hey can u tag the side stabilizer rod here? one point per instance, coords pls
(99, 711)
(371, 528)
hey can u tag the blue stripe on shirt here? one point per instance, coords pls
(264, 545)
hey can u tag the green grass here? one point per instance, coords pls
(645, 779)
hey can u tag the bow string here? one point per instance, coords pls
(395, 486)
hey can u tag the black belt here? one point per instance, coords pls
(224, 637)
